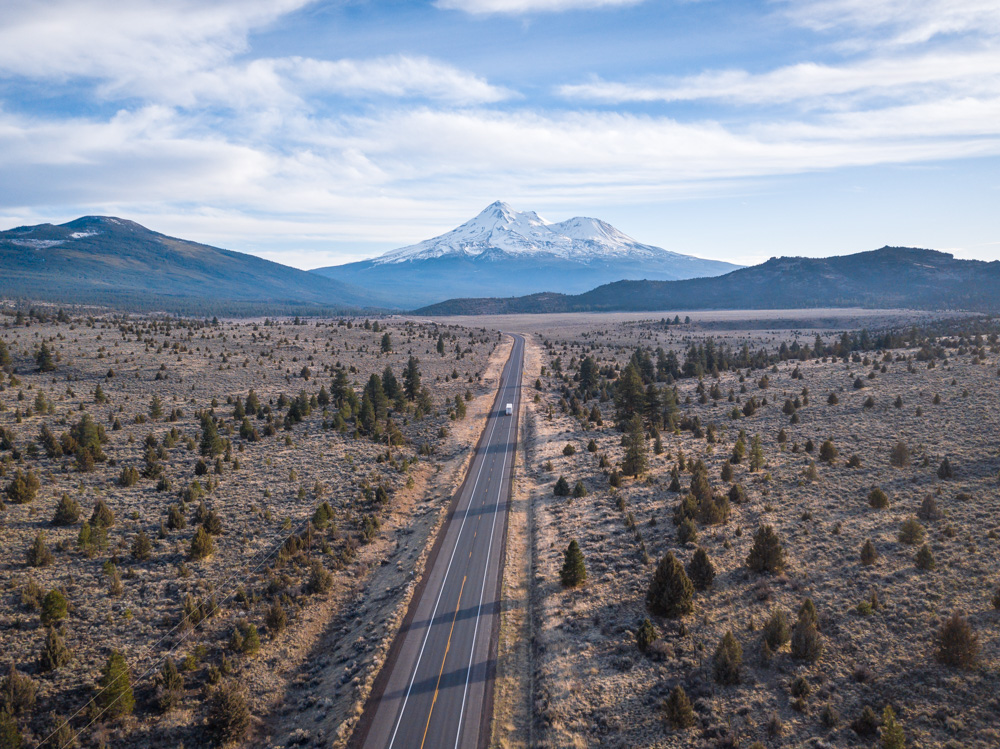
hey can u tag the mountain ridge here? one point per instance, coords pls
(920, 279)
(107, 260)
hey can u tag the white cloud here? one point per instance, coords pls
(975, 72)
(397, 75)
(901, 22)
(127, 41)
(183, 53)
(487, 7)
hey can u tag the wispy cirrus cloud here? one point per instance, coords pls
(516, 7)
(897, 22)
(970, 73)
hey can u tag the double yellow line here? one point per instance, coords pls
(437, 686)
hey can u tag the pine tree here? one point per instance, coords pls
(115, 698)
(891, 732)
(766, 554)
(386, 344)
(868, 553)
(44, 359)
(228, 715)
(201, 544)
(630, 397)
(636, 460)
(807, 644)
(700, 569)
(102, 516)
(54, 654)
(39, 554)
(142, 547)
(574, 571)
(169, 687)
(67, 511)
(155, 407)
(54, 607)
(925, 559)
(776, 631)
(211, 442)
(957, 643)
(670, 590)
(561, 488)
(728, 660)
(679, 713)
(645, 635)
(411, 378)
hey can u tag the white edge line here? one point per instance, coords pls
(486, 572)
(430, 624)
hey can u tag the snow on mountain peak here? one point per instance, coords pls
(500, 227)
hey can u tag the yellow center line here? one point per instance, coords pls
(441, 672)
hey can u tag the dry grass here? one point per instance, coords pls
(594, 687)
(272, 494)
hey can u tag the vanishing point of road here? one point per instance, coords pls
(436, 687)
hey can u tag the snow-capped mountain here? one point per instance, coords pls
(500, 227)
(503, 252)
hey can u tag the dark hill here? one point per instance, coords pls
(114, 262)
(890, 277)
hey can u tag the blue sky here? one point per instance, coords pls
(315, 133)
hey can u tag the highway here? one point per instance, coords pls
(435, 689)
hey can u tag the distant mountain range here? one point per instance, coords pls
(111, 261)
(503, 252)
(891, 277)
(117, 263)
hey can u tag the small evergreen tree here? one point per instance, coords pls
(201, 544)
(776, 631)
(828, 452)
(574, 571)
(645, 635)
(636, 453)
(142, 547)
(911, 532)
(807, 643)
(169, 686)
(891, 732)
(944, 470)
(678, 711)
(44, 359)
(228, 714)
(54, 653)
(102, 516)
(17, 692)
(701, 570)
(670, 590)
(39, 554)
(766, 554)
(728, 660)
(878, 498)
(54, 607)
(67, 511)
(561, 489)
(925, 559)
(868, 553)
(115, 698)
(957, 643)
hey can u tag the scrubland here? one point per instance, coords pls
(868, 612)
(191, 507)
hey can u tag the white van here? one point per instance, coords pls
(510, 408)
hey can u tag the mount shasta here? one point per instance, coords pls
(503, 252)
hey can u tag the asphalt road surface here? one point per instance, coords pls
(436, 687)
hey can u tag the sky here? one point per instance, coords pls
(318, 133)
